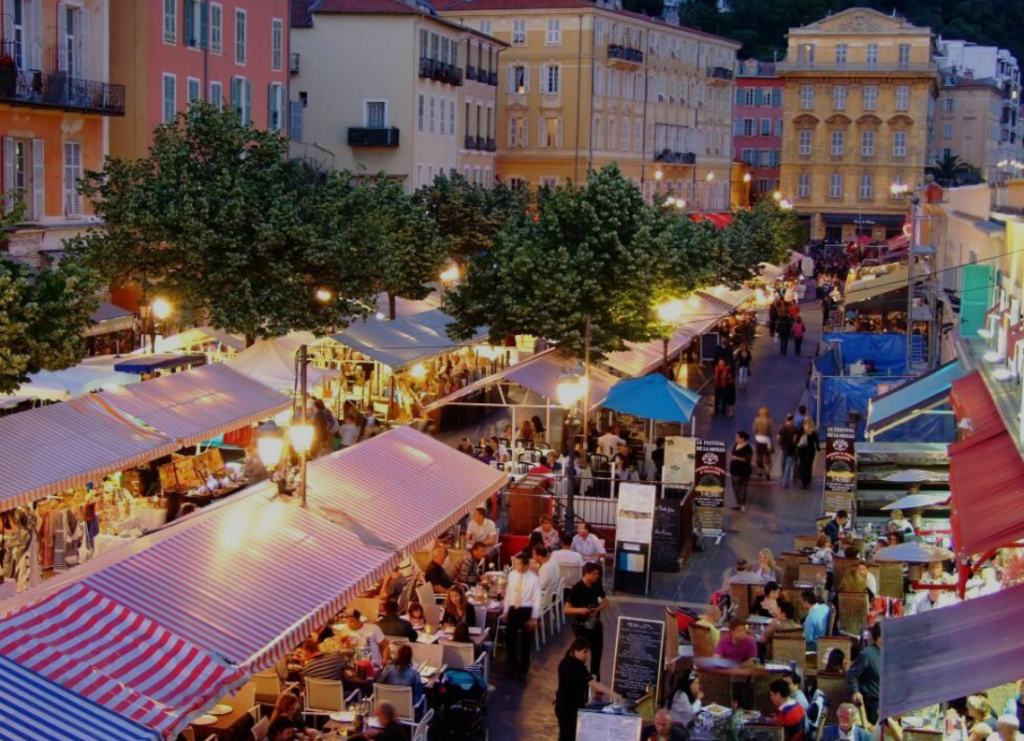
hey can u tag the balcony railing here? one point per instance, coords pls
(492, 79)
(470, 142)
(33, 88)
(675, 158)
(481, 143)
(625, 54)
(720, 73)
(804, 66)
(492, 146)
(440, 71)
(471, 72)
(366, 136)
(293, 62)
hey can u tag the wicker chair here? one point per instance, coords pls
(840, 566)
(827, 643)
(999, 697)
(921, 734)
(790, 564)
(837, 690)
(805, 541)
(790, 649)
(647, 706)
(812, 573)
(762, 693)
(762, 732)
(853, 612)
(890, 579)
(742, 596)
(795, 598)
(717, 687)
(700, 637)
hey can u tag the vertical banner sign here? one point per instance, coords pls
(709, 486)
(634, 529)
(840, 470)
(680, 459)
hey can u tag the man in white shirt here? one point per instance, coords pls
(480, 529)
(608, 444)
(547, 571)
(567, 556)
(521, 611)
(933, 599)
(371, 635)
(588, 545)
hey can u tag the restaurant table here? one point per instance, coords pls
(231, 727)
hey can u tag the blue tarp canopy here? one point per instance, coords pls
(841, 395)
(887, 351)
(160, 361)
(652, 397)
(913, 401)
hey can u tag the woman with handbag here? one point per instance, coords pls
(763, 428)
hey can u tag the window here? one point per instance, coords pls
(947, 131)
(870, 97)
(433, 110)
(518, 133)
(195, 90)
(275, 106)
(276, 44)
(72, 176)
(764, 158)
(807, 97)
(554, 31)
(747, 96)
(899, 144)
(520, 80)
(803, 185)
(375, 114)
(195, 24)
(550, 73)
(837, 143)
(442, 127)
(949, 105)
(749, 127)
(778, 127)
(904, 56)
(839, 97)
(485, 28)
(638, 134)
(16, 173)
(902, 97)
(419, 113)
(835, 185)
(766, 127)
(451, 119)
(872, 55)
(804, 146)
(867, 143)
(551, 132)
(599, 81)
(549, 182)
(625, 135)
(170, 21)
(18, 33)
(241, 99)
(170, 91)
(867, 186)
(217, 94)
(216, 28)
(519, 31)
(240, 34)
(599, 32)
(749, 156)
(842, 50)
(897, 192)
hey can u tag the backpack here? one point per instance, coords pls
(798, 329)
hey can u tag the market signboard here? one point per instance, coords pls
(709, 486)
(680, 457)
(840, 470)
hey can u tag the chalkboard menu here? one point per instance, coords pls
(708, 346)
(840, 470)
(639, 646)
(668, 535)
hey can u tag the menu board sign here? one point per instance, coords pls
(634, 527)
(709, 486)
(639, 648)
(592, 725)
(668, 536)
(840, 470)
(680, 458)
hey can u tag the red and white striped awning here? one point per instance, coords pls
(45, 451)
(194, 405)
(105, 653)
(247, 579)
(401, 488)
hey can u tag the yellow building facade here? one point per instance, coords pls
(858, 96)
(583, 85)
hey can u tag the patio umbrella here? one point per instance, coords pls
(918, 501)
(914, 553)
(652, 397)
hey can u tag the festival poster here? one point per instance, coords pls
(840, 470)
(709, 485)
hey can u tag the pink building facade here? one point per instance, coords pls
(757, 125)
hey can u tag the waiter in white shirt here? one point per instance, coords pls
(521, 611)
(547, 570)
(609, 443)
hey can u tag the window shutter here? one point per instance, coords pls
(271, 101)
(72, 171)
(190, 26)
(37, 34)
(8, 157)
(526, 131)
(975, 289)
(248, 102)
(511, 131)
(62, 31)
(739, 96)
(83, 44)
(559, 140)
(541, 133)
(544, 78)
(295, 125)
(38, 179)
(8, 24)
(204, 24)
(526, 78)
(510, 73)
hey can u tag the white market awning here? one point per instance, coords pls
(272, 363)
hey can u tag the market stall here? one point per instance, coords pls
(155, 365)
(92, 374)
(216, 344)
(111, 330)
(272, 363)
(918, 411)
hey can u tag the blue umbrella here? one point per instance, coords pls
(652, 397)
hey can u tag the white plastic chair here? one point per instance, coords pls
(549, 609)
(422, 729)
(269, 686)
(431, 654)
(400, 699)
(559, 598)
(427, 595)
(480, 615)
(458, 655)
(369, 607)
(432, 613)
(570, 575)
(323, 697)
(259, 731)
(545, 602)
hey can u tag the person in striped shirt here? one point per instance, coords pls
(326, 666)
(791, 715)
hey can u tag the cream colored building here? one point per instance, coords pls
(385, 86)
(583, 85)
(858, 95)
(967, 124)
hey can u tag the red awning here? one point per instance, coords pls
(899, 242)
(718, 220)
(1015, 336)
(971, 400)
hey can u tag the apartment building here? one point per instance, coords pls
(168, 53)
(757, 125)
(585, 84)
(425, 108)
(56, 106)
(858, 91)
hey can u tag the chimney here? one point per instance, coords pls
(671, 14)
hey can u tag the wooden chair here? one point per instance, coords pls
(790, 649)
(717, 687)
(839, 568)
(805, 541)
(700, 637)
(790, 564)
(853, 612)
(836, 690)
(795, 598)
(890, 579)
(741, 598)
(813, 573)
(827, 643)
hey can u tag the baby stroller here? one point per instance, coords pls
(462, 706)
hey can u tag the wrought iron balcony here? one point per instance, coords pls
(481, 143)
(293, 63)
(492, 79)
(802, 65)
(625, 54)
(675, 158)
(440, 71)
(720, 73)
(492, 146)
(470, 142)
(364, 136)
(35, 89)
(470, 72)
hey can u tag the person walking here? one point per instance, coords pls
(763, 434)
(787, 439)
(784, 327)
(741, 468)
(743, 360)
(808, 445)
(584, 604)
(730, 393)
(799, 330)
(773, 317)
(722, 379)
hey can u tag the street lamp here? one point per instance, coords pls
(899, 189)
(746, 177)
(418, 371)
(785, 204)
(323, 295)
(670, 313)
(658, 175)
(680, 203)
(158, 309)
(777, 196)
(450, 275)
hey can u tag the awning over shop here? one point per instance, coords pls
(876, 292)
(899, 242)
(109, 318)
(271, 363)
(400, 489)
(90, 375)
(191, 338)
(971, 400)
(404, 341)
(105, 653)
(917, 397)
(195, 405)
(159, 361)
(45, 451)
(540, 374)
(728, 298)
(865, 220)
(719, 220)
(957, 651)
(32, 707)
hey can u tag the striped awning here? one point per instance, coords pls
(249, 579)
(32, 707)
(45, 451)
(194, 405)
(105, 653)
(400, 489)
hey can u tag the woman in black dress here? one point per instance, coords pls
(574, 679)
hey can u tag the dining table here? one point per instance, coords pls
(232, 721)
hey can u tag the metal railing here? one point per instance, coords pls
(720, 73)
(675, 158)
(492, 146)
(365, 136)
(625, 53)
(804, 66)
(492, 79)
(293, 62)
(34, 88)
(440, 71)
(470, 72)
(470, 141)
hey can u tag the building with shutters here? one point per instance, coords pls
(56, 108)
(168, 53)
(757, 125)
(585, 84)
(858, 92)
(426, 108)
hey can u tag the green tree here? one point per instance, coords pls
(219, 221)
(950, 170)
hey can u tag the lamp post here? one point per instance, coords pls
(571, 389)
(668, 312)
(300, 434)
(159, 309)
(270, 444)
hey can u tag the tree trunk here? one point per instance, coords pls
(250, 340)
(391, 306)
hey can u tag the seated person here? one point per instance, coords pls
(457, 609)
(899, 523)
(785, 620)
(289, 706)
(936, 574)
(795, 692)
(393, 584)
(390, 729)
(327, 666)
(416, 617)
(567, 556)
(737, 646)
(835, 662)
(282, 729)
(435, 575)
(391, 624)
(767, 604)
(481, 530)
(817, 619)
(823, 552)
(401, 673)
(461, 634)
(588, 545)
(687, 701)
(846, 729)
(710, 619)
(663, 730)
(549, 534)
(859, 579)
(371, 636)
(473, 566)
(744, 574)
(930, 600)
(547, 569)
(791, 715)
